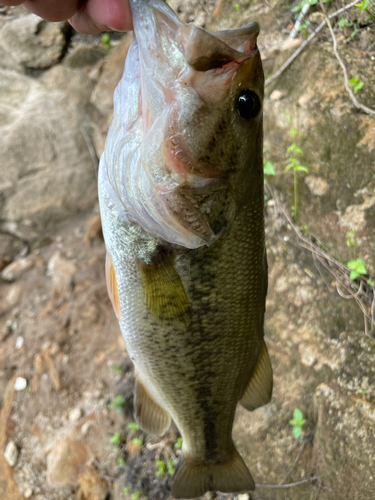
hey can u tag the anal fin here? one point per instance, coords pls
(259, 390)
(148, 413)
(193, 479)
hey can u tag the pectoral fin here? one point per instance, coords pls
(259, 390)
(112, 286)
(148, 413)
(163, 290)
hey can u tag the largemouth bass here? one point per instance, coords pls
(181, 200)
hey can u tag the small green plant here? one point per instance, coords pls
(171, 466)
(117, 369)
(106, 41)
(125, 490)
(365, 5)
(117, 403)
(297, 422)
(161, 468)
(356, 84)
(138, 441)
(120, 462)
(358, 268)
(133, 426)
(136, 495)
(237, 6)
(295, 165)
(115, 438)
(268, 168)
(301, 5)
(178, 444)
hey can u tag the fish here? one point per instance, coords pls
(182, 207)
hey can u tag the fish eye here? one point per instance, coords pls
(248, 104)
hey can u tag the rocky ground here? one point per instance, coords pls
(66, 382)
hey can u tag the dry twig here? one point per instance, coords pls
(355, 101)
(289, 485)
(305, 43)
(359, 290)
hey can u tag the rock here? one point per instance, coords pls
(366, 40)
(11, 453)
(20, 384)
(75, 85)
(345, 441)
(61, 271)
(30, 42)
(317, 17)
(57, 178)
(9, 297)
(17, 268)
(19, 342)
(28, 492)
(83, 56)
(102, 96)
(66, 462)
(276, 95)
(317, 185)
(75, 415)
(91, 486)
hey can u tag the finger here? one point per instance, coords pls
(98, 15)
(53, 10)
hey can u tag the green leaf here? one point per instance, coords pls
(269, 168)
(138, 441)
(370, 282)
(120, 462)
(301, 168)
(297, 414)
(358, 87)
(342, 22)
(133, 426)
(354, 275)
(297, 430)
(178, 444)
(116, 438)
(357, 265)
(288, 167)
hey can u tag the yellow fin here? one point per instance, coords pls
(148, 413)
(112, 289)
(259, 390)
(163, 290)
(193, 479)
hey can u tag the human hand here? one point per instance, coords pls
(86, 16)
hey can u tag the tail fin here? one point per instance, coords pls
(194, 479)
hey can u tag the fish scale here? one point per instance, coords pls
(181, 201)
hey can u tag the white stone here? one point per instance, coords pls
(85, 427)
(277, 95)
(75, 415)
(28, 492)
(19, 342)
(20, 384)
(11, 453)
